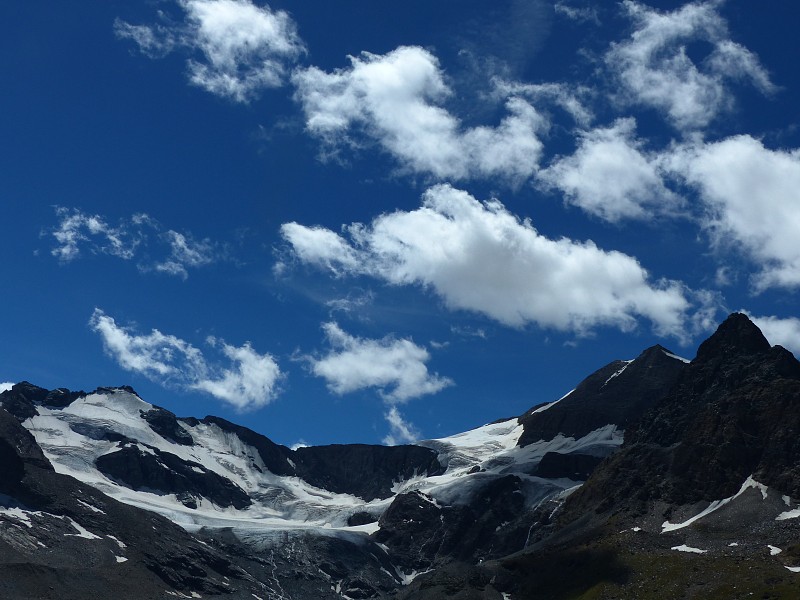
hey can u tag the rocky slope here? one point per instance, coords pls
(705, 481)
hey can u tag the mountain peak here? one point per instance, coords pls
(737, 335)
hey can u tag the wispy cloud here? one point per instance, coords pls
(401, 431)
(394, 367)
(478, 256)
(581, 14)
(397, 101)
(237, 48)
(654, 68)
(77, 229)
(250, 381)
(140, 238)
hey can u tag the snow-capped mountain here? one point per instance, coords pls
(199, 508)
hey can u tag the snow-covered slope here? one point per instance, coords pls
(75, 437)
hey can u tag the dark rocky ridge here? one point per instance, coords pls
(165, 424)
(22, 398)
(362, 470)
(604, 398)
(734, 412)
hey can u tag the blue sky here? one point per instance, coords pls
(356, 222)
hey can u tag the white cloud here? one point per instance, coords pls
(245, 48)
(320, 247)
(752, 195)
(401, 431)
(397, 100)
(479, 257)
(395, 367)
(251, 381)
(784, 332)
(5, 386)
(654, 67)
(611, 176)
(139, 236)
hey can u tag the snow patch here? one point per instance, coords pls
(793, 569)
(91, 507)
(617, 373)
(774, 550)
(121, 544)
(120, 559)
(676, 357)
(685, 548)
(82, 531)
(717, 504)
(405, 579)
(789, 514)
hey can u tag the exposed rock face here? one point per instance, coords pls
(22, 398)
(574, 465)
(619, 394)
(153, 470)
(368, 472)
(734, 412)
(421, 534)
(165, 424)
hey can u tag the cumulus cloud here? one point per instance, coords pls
(611, 176)
(238, 48)
(477, 256)
(784, 332)
(752, 195)
(138, 237)
(655, 69)
(397, 100)
(401, 431)
(395, 367)
(250, 382)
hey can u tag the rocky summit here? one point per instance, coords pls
(656, 477)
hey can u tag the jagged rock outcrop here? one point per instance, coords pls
(22, 398)
(368, 472)
(166, 424)
(734, 412)
(618, 394)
